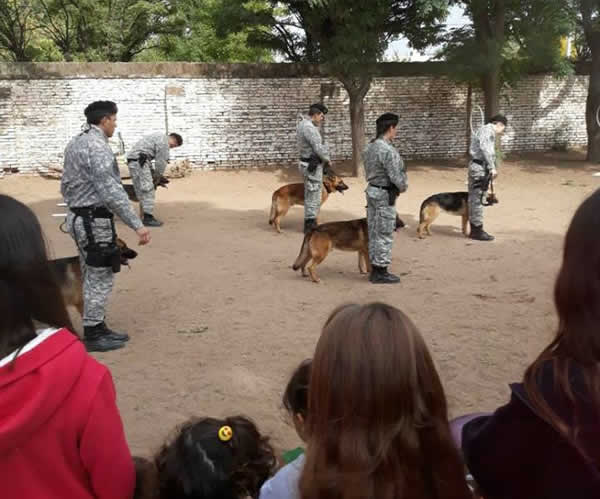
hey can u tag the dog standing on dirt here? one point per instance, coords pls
(351, 235)
(454, 203)
(287, 196)
(67, 272)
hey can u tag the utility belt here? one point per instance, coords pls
(392, 190)
(142, 159)
(99, 254)
(313, 162)
(481, 162)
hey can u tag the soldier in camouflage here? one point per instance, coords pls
(139, 160)
(91, 186)
(386, 175)
(482, 168)
(313, 155)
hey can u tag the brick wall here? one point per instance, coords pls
(245, 115)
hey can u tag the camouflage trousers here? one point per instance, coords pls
(381, 221)
(97, 281)
(313, 183)
(477, 175)
(141, 177)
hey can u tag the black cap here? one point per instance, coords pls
(388, 119)
(98, 110)
(317, 108)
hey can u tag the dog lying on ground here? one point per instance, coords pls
(352, 235)
(68, 274)
(287, 196)
(454, 203)
(158, 182)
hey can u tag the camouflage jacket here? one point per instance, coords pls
(483, 145)
(384, 166)
(91, 177)
(310, 140)
(156, 147)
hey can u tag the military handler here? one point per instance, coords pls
(386, 175)
(91, 186)
(313, 156)
(482, 168)
(139, 160)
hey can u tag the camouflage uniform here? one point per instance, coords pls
(383, 167)
(309, 142)
(483, 148)
(155, 147)
(91, 178)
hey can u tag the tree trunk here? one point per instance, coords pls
(490, 84)
(356, 92)
(592, 116)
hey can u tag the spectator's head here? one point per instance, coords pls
(295, 398)
(175, 140)
(377, 416)
(28, 288)
(500, 122)
(102, 113)
(577, 341)
(317, 112)
(215, 459)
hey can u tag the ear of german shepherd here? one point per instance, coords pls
(67, 271)
(287, 196)
(454, 203)
(352, 235)
(158, 182)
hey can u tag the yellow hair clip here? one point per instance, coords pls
(225, 433)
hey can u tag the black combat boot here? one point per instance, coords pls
(479, 234)
(309, 224)
(380, 275)
(99, 339)
(150, 221)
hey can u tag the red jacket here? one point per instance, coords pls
(61, 435)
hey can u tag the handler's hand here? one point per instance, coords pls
(144, 235)
(494, 174)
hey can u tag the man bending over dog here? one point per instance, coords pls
(139, 160)
(91, 186)
(313, 154)
(386, 175)
(482, 169)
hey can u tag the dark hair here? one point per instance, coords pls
(177, 138)
(98, 110)
(295, 397)
(317, 108)
(377, 423)
(577, 340)
(499, 118)
(198, 464)
(385, 122)
(28, 287)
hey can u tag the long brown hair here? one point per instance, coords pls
(28, 288)
(377, 416)
(575, 350)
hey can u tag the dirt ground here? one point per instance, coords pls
(218, 318)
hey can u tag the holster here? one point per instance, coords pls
(313, 162)
(99, 254)
(393, 193)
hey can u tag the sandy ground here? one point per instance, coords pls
(218, 318)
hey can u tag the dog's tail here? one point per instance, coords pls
(273, 209)
(422, 209)
(304, 255)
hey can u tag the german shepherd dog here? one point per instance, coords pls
(67, 272)
(287, 196)
(352, 235)
(454, 203)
